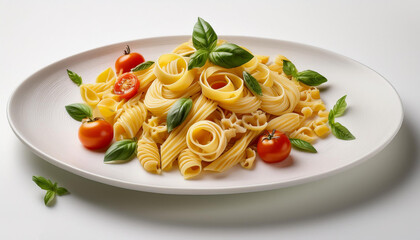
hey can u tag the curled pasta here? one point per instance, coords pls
(189, 164)
(206, 139)
(130, 121)
(249, 158)
(172, 70)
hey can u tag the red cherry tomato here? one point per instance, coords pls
(128, 61)
(96, 134)
(126, 85)
(273, 147)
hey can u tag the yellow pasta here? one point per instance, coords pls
(226, 117)
(189, 164)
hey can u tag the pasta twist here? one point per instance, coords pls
(130, 122)
(207, 140)
(148, 152)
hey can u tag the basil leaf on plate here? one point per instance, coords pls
(302, 145)
(340, 106)
(252, 83)
(178, 113)
(229, 55)
(289, 68)
(120, 151)
(79, 111)
(341, 132)
(310, 78)
(203, 36)
(142, 66)
(198, 59)
(74, 77)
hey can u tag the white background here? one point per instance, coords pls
(378, 199)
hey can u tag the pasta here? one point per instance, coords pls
(225, 118)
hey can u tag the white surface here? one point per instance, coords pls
(42, 98)
(375, 200)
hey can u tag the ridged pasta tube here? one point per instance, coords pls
(130, 122)
(148, 152)
(189, 164)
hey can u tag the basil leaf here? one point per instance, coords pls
(61, 191)
(142, 66)
(203, 36)
(331, 117)
(49, 197)
(74, 77)
(79, 111)
(178, 113)
(42, 183)
(252, 83)
(120, 151)
(289, 68)
(198, 59)
(310, 78)
(302, 145)
(229, 55)
(341, 132)
(340, 106)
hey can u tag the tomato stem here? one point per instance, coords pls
(127, 50)
(270, 136)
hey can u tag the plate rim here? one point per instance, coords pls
(198, 190)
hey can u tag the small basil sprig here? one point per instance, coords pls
(337, 129)
(52, 189)
(308, 77)
(142, 66)
(74, 77)
(252, 83)
(121, 151)
(227, 55)
(178, 113)
(79, 111)
(302, 145)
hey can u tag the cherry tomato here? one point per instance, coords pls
(95, 133)
(128, 61)
(126, 85)
(273, 147)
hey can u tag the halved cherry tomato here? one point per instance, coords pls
(95, 133)
(128, 61)
(126, 85)
(273, 147)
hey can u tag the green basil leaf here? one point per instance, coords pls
(49, 197)
(42, 183)
(178, 113)
(331, 118)
(61, 191)
(252, 83)
(340, 106)
(203, 36)
(289, 68)
(302, 145)
(120, 151)
(341, 132)
(198, 59)
(142, 66)
(229, 55)
(310, 78)
(74, 77)
(79, 111)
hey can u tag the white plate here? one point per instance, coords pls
(36, 114)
